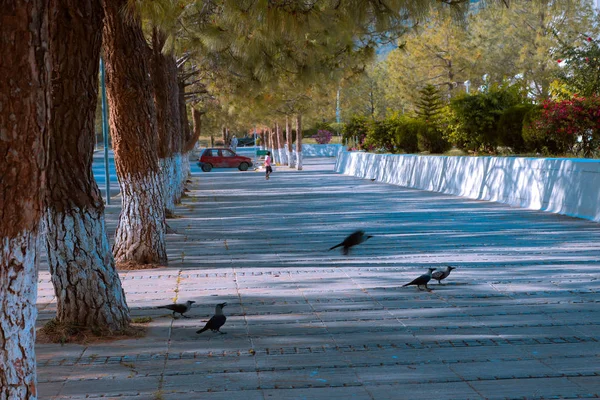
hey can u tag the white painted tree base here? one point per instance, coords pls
(87, 285)
(140, 236)
(18, 295)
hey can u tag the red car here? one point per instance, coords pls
(222, 158)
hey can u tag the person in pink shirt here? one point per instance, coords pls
(268, 168)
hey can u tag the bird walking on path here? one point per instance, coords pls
(353, 239)
(179, 308)
(422, 280)
(440, 275)
(216, 321)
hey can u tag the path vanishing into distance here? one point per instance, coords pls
(518, 318)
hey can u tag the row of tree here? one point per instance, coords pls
(258, 62)
(514, 61)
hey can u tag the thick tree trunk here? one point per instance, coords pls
(158, 67)
(24, 118)
(280, 146)
(87, 286)
(176, 129)
(299, 142)
(140, 236)
(166, 100)
(288, 139)
(186, 141)
(197, 117)
(275, 156)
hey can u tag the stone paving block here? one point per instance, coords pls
(226, 395)
(47, 390)
(303, 359)
(419, 391)
(212, 382)
(591, 384)
(498, 369)
(306, 378)
(528, 388)
(402, 374)
(110, 387)
(354, 393)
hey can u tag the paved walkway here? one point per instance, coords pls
(518, 318)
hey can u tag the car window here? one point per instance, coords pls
(208, 153)
(227, 153)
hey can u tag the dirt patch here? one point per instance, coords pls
(131, 265)
(58, 332)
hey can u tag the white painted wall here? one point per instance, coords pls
(308, 150)
(559, 185)
(321, 150)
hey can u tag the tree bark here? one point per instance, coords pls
(288, 138)
(166, 99)
(280, 146)
(140, 236)
(86, 284)
(178, 172)
(24, 119)
(188, 140)
(299, 142)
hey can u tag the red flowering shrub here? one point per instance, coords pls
(323, 136)
(571, 126)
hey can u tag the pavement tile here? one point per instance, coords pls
(305, 323)
(528, 388)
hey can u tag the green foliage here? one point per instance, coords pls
(476, 116)
(379, 136)
(356, 129)
(431, 139)
(533, 138)
(406, 133)
(510, 127)
(581, 66)
(429, 104)
(395, 134)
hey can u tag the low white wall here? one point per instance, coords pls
(321, 150)
(560, 185)
(308, 150)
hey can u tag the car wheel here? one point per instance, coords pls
(243, 166)
(206, 167)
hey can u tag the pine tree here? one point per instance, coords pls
(429, 105)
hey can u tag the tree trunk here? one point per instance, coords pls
(180, 144)
(166, 100)
(87, 286)
(24, 118)
(288, 138)
(299, 142)
(272, 137)
(140, 236)
(160, 77)
(280, 146)
(197, 124)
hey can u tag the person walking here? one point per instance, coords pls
(234, 143)
(268, 168)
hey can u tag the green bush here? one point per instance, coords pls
(534, 139)
(379, 136)
(356, 129)
(430, 138)
(510, 127)
(405, 132)
(476, 116)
